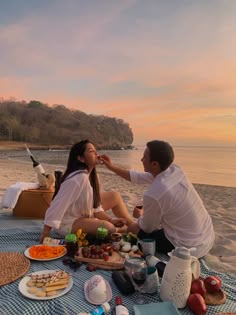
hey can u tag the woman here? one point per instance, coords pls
(78, 203)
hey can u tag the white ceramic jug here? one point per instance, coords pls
(177, 277)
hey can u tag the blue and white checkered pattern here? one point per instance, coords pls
(18, 236)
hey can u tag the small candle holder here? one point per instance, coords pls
(102, 233)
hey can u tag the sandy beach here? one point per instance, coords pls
(219, 201)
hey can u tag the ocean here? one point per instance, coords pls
(203, 165)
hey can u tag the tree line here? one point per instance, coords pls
(38, 123)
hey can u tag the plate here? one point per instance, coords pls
(23, 288)
(108, 298)
(27, 254)
(164, 308)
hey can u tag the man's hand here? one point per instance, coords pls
(122, 172)
(137, 212)
(104, 159)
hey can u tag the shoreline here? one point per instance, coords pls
(14, 145)
(218, 200)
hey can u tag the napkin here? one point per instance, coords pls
(11, 195)
(163, 308)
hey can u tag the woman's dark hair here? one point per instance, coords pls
(74, 164)
(162, 152)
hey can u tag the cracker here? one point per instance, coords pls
(30, 283)
(33, 290)
(39, 284)
(40, 293)
(52, 293)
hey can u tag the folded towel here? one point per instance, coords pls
(163, 308)
(12, 194)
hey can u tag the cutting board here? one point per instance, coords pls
(115, 261)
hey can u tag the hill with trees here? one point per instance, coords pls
(40, 124)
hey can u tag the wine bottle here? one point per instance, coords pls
(39, 170)
(36, 165)
(119, 308)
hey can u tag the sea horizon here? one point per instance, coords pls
(203, 165)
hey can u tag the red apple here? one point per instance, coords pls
(197, 304)
(198, 286)
(212, 284)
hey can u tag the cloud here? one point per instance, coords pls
(169, 76)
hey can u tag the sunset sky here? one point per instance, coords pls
(167, 67)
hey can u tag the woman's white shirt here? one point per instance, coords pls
(172, 202)
(73, 201)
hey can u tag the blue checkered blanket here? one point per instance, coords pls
(17, 234)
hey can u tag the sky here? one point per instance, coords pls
(167, 68)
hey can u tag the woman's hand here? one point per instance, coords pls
(118, 222)
(42, 236)
(137, 212)
(45, 233)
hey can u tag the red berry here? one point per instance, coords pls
(106, 257)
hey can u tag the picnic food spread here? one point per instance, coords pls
(47, 284)
(46, 251)
(112, 253)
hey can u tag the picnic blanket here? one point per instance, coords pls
(17, 234)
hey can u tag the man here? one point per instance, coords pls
(172, 213)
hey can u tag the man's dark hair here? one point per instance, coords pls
(161, 152)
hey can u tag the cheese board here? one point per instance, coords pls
(115, 261)
(101, 257)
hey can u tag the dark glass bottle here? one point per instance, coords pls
(58, 176)
(36, 165)
(71, 244)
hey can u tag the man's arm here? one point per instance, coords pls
(122, 172)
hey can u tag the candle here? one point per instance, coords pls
(102, 232)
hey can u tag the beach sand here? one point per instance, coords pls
(219, 201)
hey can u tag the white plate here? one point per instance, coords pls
(23, 288)
(27, 254)
(108, 297)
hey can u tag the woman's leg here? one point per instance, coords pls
(113, 200)
(90, 225)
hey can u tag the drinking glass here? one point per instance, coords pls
(139, 275)
(139, 203)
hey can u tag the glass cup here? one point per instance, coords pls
(139, 275)
(139, 203)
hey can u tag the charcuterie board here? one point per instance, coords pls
(113, 261)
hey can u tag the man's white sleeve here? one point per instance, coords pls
(141, 177)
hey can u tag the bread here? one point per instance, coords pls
(56, 287)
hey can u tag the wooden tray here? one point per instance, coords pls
(217, 298)
(115, 261)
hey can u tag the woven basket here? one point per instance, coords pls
(13, 266)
